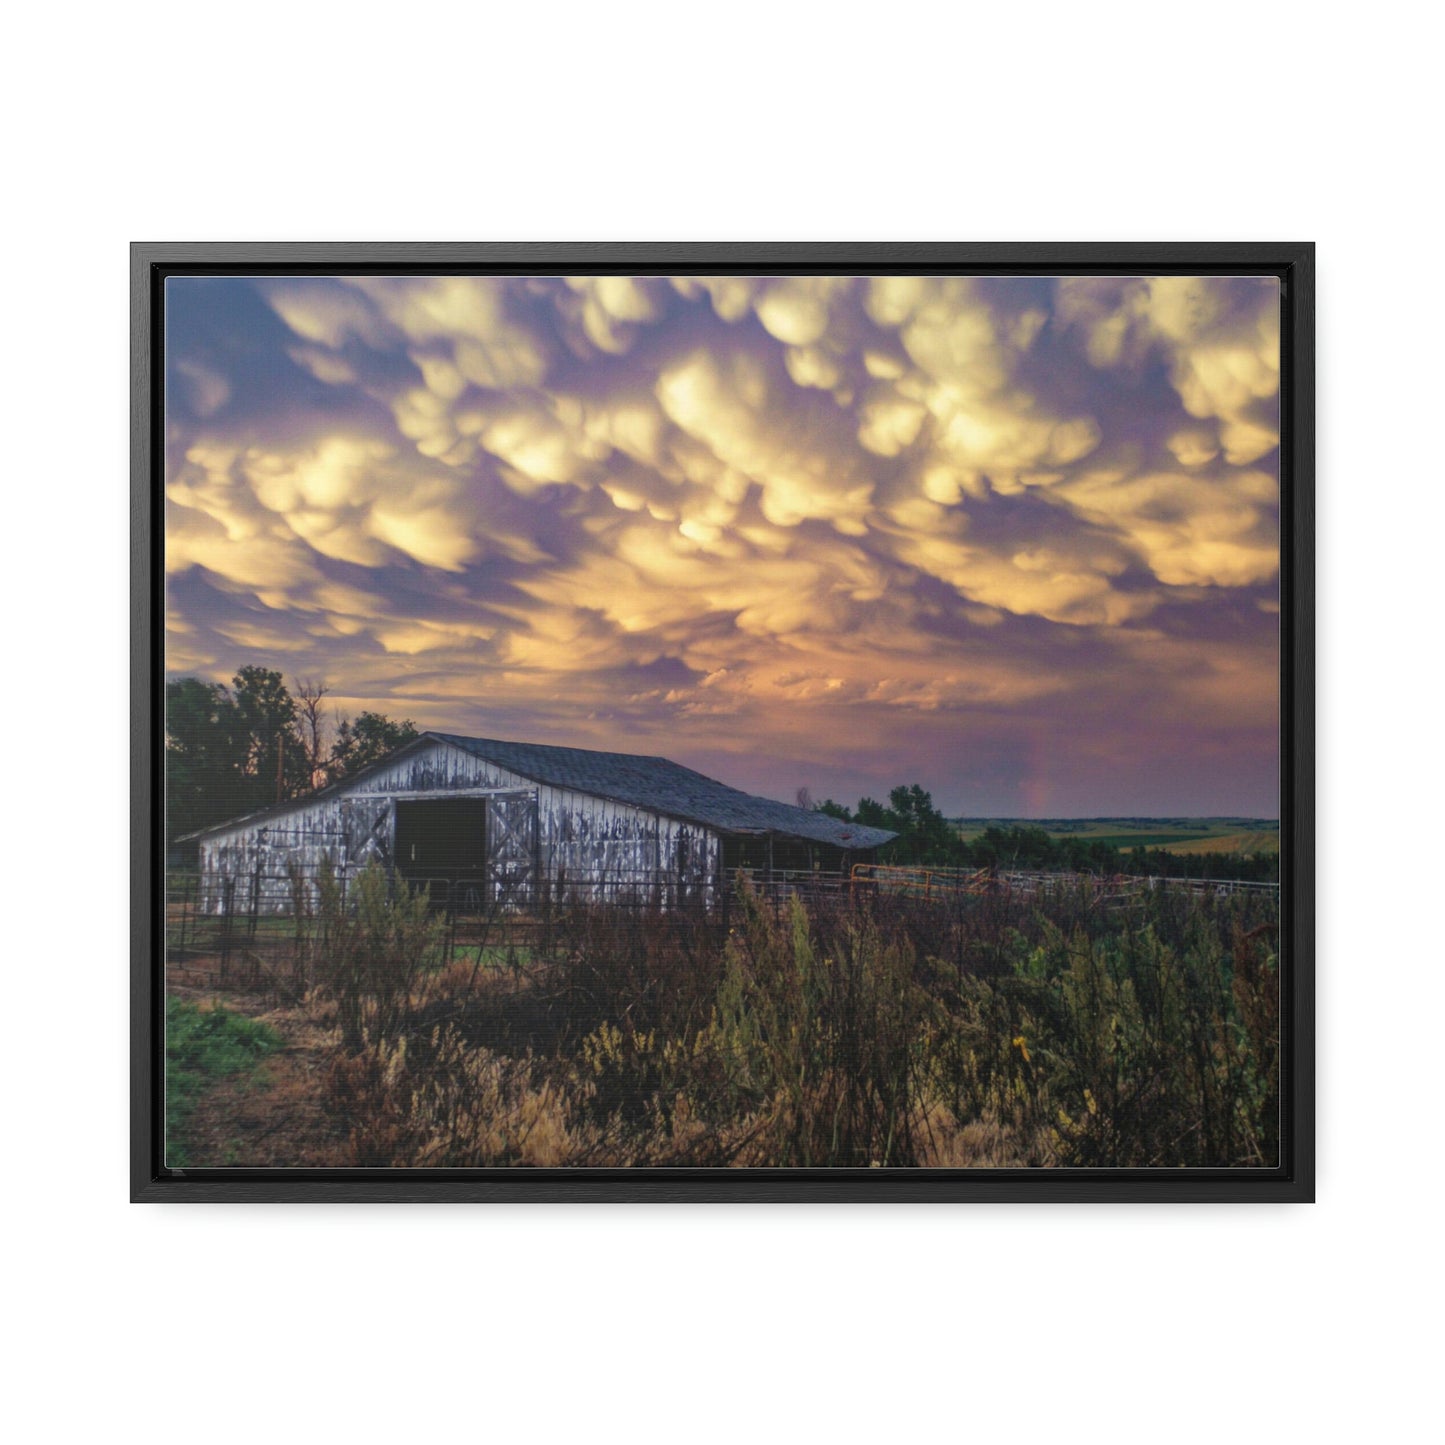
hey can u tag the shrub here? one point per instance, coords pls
(818, 1041)
(1072, 1027)
(373, 947)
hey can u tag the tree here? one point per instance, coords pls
(233, 750)
(924, 834)
(874, 815)
(205, 752)
(268, 715)
(1019, 846)
(359, 744)
(311, 729)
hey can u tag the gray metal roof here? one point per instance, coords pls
(666, 787)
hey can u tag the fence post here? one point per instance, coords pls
(255, 899)
(228, 909)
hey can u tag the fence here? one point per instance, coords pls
(230, 931)
(223, 938)
(942, 883)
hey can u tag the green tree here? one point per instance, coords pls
(1018, 846)
(275, 761)
(371, 737)
(205, 754)
(233, 750)
(925, 835)
(874, 815)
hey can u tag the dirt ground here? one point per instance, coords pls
(271, 1117)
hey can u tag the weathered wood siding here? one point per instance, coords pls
(594, 849)
(585, 847)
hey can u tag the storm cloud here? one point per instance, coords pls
(1016, 539)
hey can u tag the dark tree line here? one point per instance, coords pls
(927, 838)
(234, 749)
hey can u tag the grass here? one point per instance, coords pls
(1173, 835)
(1242, 842)
(494, 955)
(1003, 1031)
(1065, 1028)
(204, 1046)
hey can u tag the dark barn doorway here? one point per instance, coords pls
(441, 846)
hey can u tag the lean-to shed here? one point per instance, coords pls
(484, 823)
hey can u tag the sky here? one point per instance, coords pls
(1015, 539)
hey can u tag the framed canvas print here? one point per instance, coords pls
(668, 722)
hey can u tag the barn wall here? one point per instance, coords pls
(592, 848)
(574, 845)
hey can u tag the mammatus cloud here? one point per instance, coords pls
(1220, 338)
(872, 527)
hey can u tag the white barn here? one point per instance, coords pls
(484, 823)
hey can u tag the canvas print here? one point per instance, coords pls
(722, 721)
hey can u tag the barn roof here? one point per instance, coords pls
(666, 787)
(656, 784)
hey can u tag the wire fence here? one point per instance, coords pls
(230, 932)
(929, 883)
(266, 927)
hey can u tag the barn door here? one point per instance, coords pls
(512, 848)
(366, 826)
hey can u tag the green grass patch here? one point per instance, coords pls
(493, 955)
(203, 1046)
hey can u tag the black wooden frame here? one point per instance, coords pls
(1293, 1180)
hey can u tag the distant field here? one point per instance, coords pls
(1174, 835)
(1261, 841)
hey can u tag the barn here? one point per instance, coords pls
(481, 823)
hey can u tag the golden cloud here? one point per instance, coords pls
(1220, 334)
(799, 456)
(1189, 529)
(827, 497)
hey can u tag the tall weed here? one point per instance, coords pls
(1064, 1029)
(375, 944)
